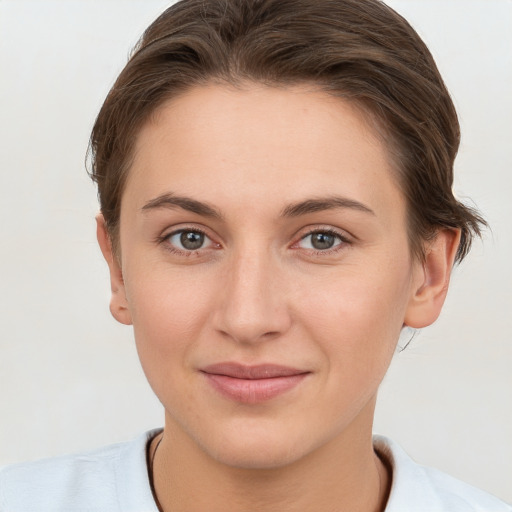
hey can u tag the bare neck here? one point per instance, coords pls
(344, 474)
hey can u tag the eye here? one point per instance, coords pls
(321, 240)
(188, 240)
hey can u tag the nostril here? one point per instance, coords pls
(241, 337)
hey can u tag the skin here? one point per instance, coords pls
(257, 292)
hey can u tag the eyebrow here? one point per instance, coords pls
(171, 200)
(186, 203)
(321, 204)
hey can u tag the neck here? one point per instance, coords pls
(344, 474)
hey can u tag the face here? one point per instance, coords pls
(265, 268)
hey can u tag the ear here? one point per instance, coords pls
(433, 279)
(118, 301)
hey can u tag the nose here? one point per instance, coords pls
(252, 305)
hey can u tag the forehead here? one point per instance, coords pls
(259, 141)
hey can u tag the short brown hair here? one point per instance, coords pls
(360, 50)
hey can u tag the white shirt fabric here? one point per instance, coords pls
(115, 479)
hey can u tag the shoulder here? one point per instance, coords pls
(99, 480)
(424, 489)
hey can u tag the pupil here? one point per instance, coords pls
(191, 240)
(322, 241)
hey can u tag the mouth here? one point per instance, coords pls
(252, 384)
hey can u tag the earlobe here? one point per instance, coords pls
(431, 286)
(118, 301)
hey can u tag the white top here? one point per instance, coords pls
(115, 479)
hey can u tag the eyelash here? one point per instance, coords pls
(165, 240)
(343, 241)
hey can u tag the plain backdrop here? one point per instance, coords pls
(69, 375)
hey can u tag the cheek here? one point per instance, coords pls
(356, 318)
(168, 314)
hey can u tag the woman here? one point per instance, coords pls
(275, 187)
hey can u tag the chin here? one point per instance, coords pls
(256, 446)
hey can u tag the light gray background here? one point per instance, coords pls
(69, 375)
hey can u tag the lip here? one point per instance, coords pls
(252, 384)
